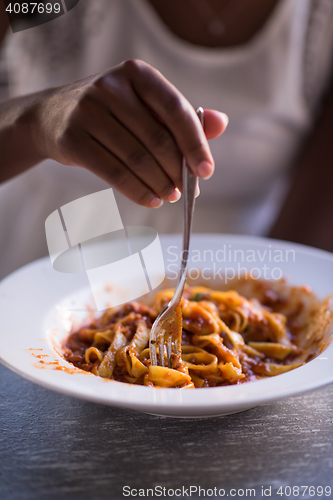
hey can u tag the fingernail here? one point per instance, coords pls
(205, 170)
(174, 196)
(156, 202)
(197, 191)
(225, 118)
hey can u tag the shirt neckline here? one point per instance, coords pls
(182, 48)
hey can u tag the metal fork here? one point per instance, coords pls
(164, 331)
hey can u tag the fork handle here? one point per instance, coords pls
(190, 183)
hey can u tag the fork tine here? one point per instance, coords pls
(177, 346)
(160, 342)
(169, 350)
(153, 354)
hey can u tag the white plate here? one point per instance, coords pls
(34, 299)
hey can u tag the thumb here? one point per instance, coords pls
(215, 123)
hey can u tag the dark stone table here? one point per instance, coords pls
(56, 447)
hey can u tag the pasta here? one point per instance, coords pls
(229, 337)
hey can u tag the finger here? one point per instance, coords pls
(215, 123)
(129, 110)
(177, 114)
(128, 149)
(101, 162)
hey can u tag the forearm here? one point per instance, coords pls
(18, 147)
(307, 214)
(129, 125)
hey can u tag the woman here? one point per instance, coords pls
(264, 62)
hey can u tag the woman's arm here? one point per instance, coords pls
(129, 125)
(307, 214)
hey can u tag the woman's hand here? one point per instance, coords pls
(130, 126)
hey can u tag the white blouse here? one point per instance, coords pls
(269, 87)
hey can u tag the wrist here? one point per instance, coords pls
(28, 125)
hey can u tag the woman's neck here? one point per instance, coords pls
(214, 23)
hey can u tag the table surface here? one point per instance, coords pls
(57, 447)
